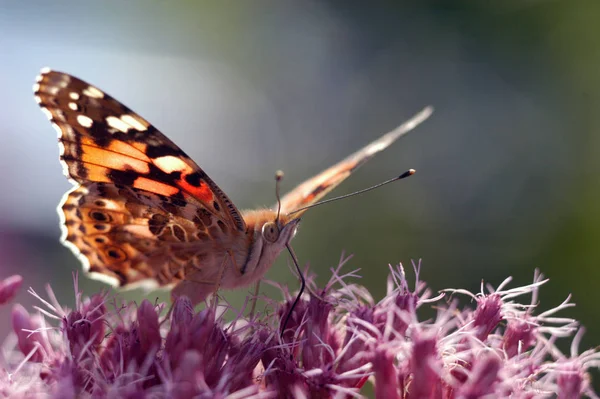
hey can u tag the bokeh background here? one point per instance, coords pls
(508, 167)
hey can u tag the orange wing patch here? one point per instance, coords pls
(155, 187)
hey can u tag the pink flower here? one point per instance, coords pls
(337, 339)
(31, 338)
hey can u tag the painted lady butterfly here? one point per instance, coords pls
(143, 212)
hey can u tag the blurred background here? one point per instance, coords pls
(508, 171)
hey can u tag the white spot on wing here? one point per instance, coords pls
(169, 164)
(117, 123)
(134, 122)
(73, 95)
(73, 106)
(36, 87)
(93, 92)
(85, 121)
(45, 70)
(37, 99)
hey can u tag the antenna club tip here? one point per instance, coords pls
(279, 175)
(408, 173)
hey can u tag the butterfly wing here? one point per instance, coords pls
(126, 237)
(315, 188)
(141, 208)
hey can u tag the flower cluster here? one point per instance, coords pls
(337, 339)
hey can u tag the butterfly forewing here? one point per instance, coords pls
(104, 141)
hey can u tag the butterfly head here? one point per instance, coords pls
(269, 235)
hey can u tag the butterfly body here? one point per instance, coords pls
(143, 213)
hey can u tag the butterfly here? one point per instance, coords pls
(141, 212)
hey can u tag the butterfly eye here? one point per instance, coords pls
(270, 232)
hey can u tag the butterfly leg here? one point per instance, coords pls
(222, 272)
(254, 299)
(235, 265)
(237, 269)
(218, 282)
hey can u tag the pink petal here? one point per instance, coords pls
(9, 287)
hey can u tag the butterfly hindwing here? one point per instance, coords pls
(315, 188)
(129, 236)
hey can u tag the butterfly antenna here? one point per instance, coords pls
(278, 178)
(302, 286)
(404, 175)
